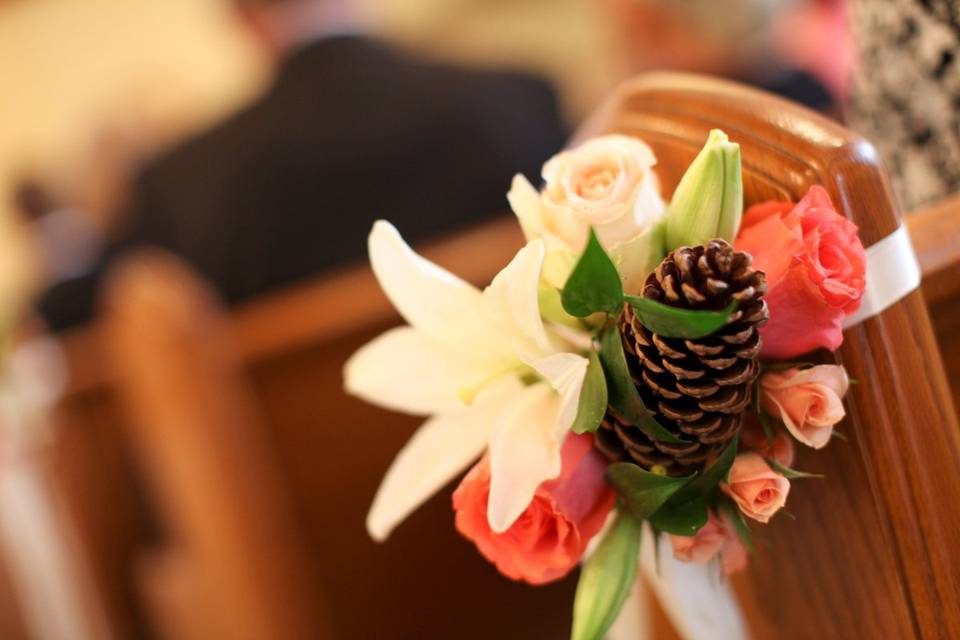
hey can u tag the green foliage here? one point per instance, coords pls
(787, 472)
(594, 285)
(671, 322)
(606, 579)
(593, 398)
(642, 492)
(706, 483)
(623, 395)
(681, 518)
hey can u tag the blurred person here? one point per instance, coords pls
(730, 38)
(906, 93)
(350, 131)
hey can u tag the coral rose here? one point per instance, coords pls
(809, 401)
(717, 537)
(815, 266)
(549, 538)
(757, 489)
(606, 183)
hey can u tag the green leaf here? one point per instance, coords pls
(705, 484)
(623, 395)
(765, 422)
(671, 322)
(594, 285)
(593, 398)
(681, 519)
(551, 308)
(642, 492)
(787, 472)
(739, 522)
(606, 579)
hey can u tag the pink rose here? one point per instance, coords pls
(549, 538)
(815, 266)
(718, 536)
(757, 489)
(809, 401)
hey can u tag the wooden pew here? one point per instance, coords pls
(935, 232)
(869, 555)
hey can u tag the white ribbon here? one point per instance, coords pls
(892, 273)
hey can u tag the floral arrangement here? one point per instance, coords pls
(636, 362)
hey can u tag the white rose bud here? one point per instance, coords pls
(606, 183)
(708, 202)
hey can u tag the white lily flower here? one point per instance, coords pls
(467, 359)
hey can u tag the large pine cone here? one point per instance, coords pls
(697, 389)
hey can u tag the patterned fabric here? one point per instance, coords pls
(906, 96)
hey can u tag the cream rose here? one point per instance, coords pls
(809, 401)
(607, 183)
(757, 489)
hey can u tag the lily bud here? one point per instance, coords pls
(708, 202)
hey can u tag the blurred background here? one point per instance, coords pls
(253, 142)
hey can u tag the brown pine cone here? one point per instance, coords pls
(697, 389)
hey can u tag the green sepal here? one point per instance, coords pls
(787, 472)
(594, 285)
(681, 518)
(593, 398)
(706, 483)
(671, 322)
(642, 492)
(606, 579)
(623, 395)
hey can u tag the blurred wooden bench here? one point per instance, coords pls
(871, 553)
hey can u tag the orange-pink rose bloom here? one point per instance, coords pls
(815, 266)
(549, 538)
(809, 401)
(717, 537)
(757, 489)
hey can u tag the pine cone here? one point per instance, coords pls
(697, 389)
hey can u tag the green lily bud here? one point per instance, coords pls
(708, 202)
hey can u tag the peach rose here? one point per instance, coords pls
(757, 489)
(717, 537)
(815, 266)
(809, 401)
(753, 438)
(607, 183)
(549, 538)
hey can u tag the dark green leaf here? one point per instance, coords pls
(671, 322)
(787, 472)
(642, 492)
(606, 579)
(593, 398)
(623, 395)
(705, 484)
(594, 285)
(739, 522)
(682, 519)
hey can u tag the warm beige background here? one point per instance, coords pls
(68, 68)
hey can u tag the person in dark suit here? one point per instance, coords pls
(351, 130)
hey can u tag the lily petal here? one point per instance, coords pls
(525, 202)
(565, 372)
(428, 297)
(524, 452)
(440, 449)
(512, 303)
(407, 371)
